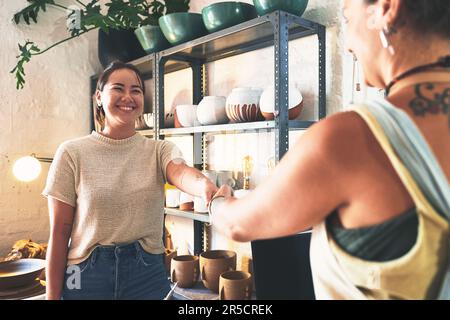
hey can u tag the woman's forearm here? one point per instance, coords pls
(188, 179)
(56, 265)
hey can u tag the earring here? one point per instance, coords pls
(384, 33)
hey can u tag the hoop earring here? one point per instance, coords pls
(384, 33)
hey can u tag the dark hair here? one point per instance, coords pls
(427, 15)
(103, 79)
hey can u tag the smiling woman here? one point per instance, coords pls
(106, 194)
(119, 97)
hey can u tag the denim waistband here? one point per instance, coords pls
(129, 249)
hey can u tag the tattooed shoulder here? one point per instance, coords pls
(430, 100)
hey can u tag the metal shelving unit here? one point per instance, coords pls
(197, 216)
(275, 29)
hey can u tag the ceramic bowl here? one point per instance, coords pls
(172, 198)
(221, 15)
(20, 273)
(242, 104)
(296, 7)
(151, 38)
(186, 202)
(211, 110)
(187, 115)
(181, 27)
(200, 205)
(149, 119)
(139, 123)
(267, 103)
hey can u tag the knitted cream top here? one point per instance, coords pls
(116, 188)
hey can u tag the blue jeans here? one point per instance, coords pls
(117, 272)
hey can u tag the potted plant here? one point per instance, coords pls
(121, 17)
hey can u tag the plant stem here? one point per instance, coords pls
(59, 6)
(64, 40)
(81, 3)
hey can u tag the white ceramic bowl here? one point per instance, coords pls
(267, 103)
(187, 115)
(211, 110)
(200, 205)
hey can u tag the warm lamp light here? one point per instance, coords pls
(28, 168)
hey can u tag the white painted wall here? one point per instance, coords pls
(54, 107)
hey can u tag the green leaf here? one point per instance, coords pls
(177, 6)
(32, 10)
(26, 51)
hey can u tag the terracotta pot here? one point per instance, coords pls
(184, 270)
(235, 285)
(213, 263)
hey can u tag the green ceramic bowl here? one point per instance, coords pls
(296, 7)
(181, 27)
(151, 38)
(222, 15)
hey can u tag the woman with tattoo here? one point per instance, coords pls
(106, 194)
(373, 182)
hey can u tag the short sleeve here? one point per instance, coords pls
(168, 152)
(61, 178)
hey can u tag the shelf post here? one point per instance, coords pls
(159, 95)
(198, 237)
(281, 54)
(322, 80)
(198, 89)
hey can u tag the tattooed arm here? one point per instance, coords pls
(190, 180)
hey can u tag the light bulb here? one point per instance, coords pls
(27, 168)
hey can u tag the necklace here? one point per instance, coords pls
(443, 62)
